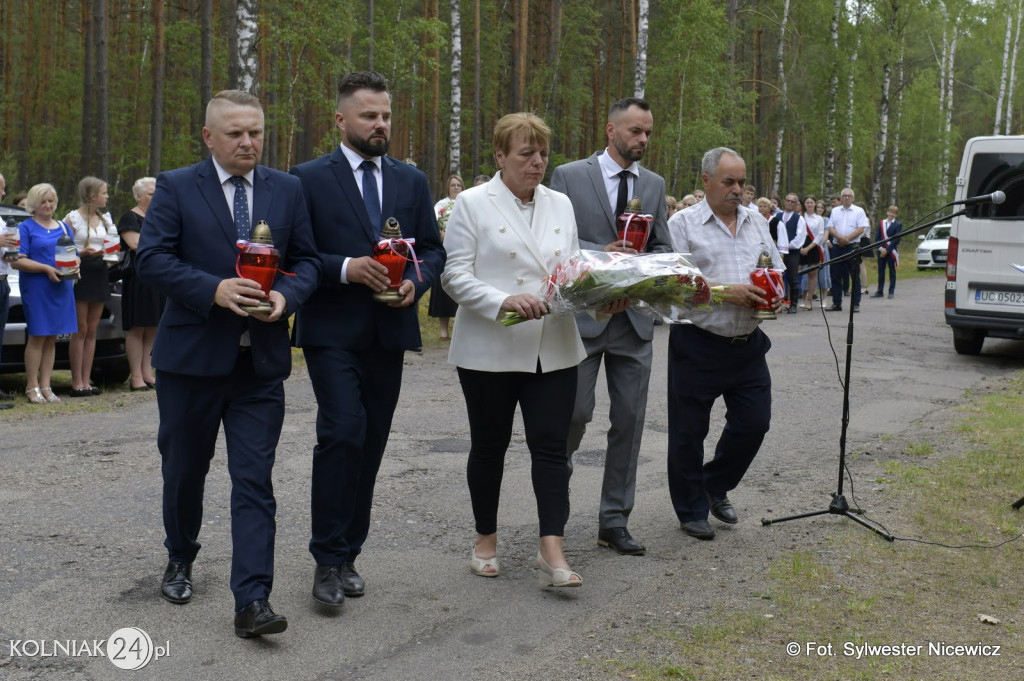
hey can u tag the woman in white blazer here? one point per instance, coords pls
(503, 239)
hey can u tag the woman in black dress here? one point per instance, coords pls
(441, 305)
(141, 304)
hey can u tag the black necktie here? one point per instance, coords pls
(623, 195)
(241, 208)
(370, 196)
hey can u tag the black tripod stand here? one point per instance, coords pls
(839, 505)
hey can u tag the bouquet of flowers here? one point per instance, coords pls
(664, 285)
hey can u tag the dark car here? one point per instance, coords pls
(110, 364)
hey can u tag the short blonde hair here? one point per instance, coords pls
(36, 195)
(141, 184)
(764, 201)
(226, 97)
(531, 126)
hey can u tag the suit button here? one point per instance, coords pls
(557, 230)
(519, 281)
(558, 251)
(501, 229)
(511, 254)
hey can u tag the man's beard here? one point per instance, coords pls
(370, 147)
(628, 153)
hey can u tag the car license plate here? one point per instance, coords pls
(1015, 298)
(939, 257)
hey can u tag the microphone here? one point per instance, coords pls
(996, 197)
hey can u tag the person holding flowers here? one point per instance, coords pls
(503, 239)
(723, 352)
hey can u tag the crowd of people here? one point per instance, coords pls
(61, 300)
(219, 359)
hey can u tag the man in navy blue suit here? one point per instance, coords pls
(215, 362)
(353, 345)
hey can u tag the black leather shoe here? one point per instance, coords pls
(856, 308)
(351, 582)
(834, 308)
(327, 585)
(701, 529)
(891, 296)
(6, 406)
(257, 619)
(619, 539)
(722, 509)
(6, 396)
(176, 586)
(877, 294)
(792, 309)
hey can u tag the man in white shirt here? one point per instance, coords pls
(849, 222)
(722, 353)
(792, 231)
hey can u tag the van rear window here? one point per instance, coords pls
(998, 172)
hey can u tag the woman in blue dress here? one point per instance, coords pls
(47, 301)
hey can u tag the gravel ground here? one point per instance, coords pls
(82, 539)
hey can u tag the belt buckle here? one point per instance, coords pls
(739, 340)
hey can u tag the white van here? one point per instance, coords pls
(984, 293)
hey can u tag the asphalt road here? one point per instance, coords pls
(81, 541)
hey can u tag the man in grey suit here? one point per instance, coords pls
(598, 188)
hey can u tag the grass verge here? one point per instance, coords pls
(921, 599)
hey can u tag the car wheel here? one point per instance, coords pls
(968, 341)
(111, 372)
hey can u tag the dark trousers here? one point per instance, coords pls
(849, 269)
(701, 369)
(792, 261)
(884, 264)
(356, 394)
(192, 409)
(5, 301)
(546, 401)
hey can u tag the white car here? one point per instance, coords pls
(931, 252)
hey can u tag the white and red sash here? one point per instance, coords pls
(810, 235)
(889, 250)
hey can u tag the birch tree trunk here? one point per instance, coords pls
(102, 91)
(833, 93)
(893, 35)
(1002, 76)
(949, 61)
(1012, 80)
(848, 177)
(247, 36)
(893, 193)
(455, 127)
(640, 70)
(784, 101)
(156, 128)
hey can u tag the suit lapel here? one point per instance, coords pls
(597, 181)
(513, 217)
(209, 187)
(262, 193)
(347, 182)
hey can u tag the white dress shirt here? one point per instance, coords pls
(355, 160)
(723, 259)
(610, 171)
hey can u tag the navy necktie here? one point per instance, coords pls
(370, 196)
(623, 196)
(241, 208)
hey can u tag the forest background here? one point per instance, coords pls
(878, 95)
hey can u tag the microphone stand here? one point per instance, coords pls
(839, 505)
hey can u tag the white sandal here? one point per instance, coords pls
(51, 397)
(484, 567)
(550, 576)
(35, 395)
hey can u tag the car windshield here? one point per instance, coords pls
(939, 232)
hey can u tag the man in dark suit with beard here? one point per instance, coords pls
(353, 345)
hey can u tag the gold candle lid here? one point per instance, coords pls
(391, 230)
(261, 234)
(633, 205)
(764, 260)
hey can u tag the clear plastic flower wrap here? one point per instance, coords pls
(666, 286)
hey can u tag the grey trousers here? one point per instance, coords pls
(627, 365)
